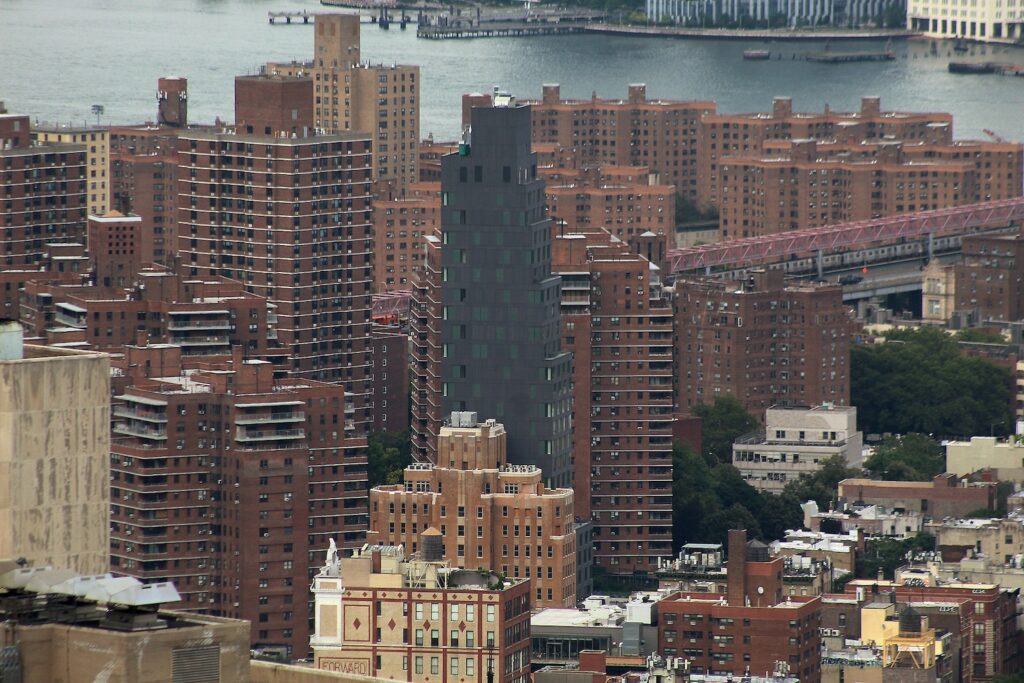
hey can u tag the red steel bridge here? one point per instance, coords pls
(776, 248)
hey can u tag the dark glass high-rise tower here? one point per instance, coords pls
(499, 352)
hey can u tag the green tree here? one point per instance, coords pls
(911, 457)
(388, 454)
(886, 554)
(917, 381)
(721, 423)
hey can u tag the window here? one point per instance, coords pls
(435, 611)
(470, 613)
(470, 667)
(435, 665)
(453, 666)
(435, 637)
(454, 613)
(453, 639)
(419, 636)
(419, 611)
(419, 665)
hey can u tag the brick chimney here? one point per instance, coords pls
(552, 93)
(737, 567)
(782, 107)
(637, 93)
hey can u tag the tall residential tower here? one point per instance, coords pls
(495, 328)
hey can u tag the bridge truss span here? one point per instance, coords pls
(776, 248)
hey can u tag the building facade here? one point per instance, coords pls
(768, 13)
(742, 135)
(797, 441)
(54, 450)
(986, 21)
(46, 195)
(379, 100)
(618, 326)
(224, 480)
(381, 614)
(490, 514)
(763, 341)
(96, 140)
(947, 495)
(497, 300)
(302, 239)
(989, 277)
(636, 131)
(389, 347)
(400, 224)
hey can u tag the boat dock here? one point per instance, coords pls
(498, 30)
(287, 16)
(844, 57)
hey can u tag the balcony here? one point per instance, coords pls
(270, 419)
(136, 414)
(244, 435)
(198, 325)
(211, 340)
(141, 431)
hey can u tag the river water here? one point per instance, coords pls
(59, 57)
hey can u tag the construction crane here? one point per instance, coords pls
(994, 136)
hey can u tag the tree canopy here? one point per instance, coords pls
(917, 381)
(721, 422)
(388, 454)
(912, 457)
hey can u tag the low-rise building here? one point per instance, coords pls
(999, 540)
(488, 513)
(797, 441)
(839, 550)
(1004, 456)
(946, 495)
(382, 614)
(872, 520)
(938, 292)
(984, 21)
(750, 627)
(701, 568)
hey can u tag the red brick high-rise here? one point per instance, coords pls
(659, 134)
(619, 329)
(229, 483)
(43, 200)
(286, 211)
(763, 341)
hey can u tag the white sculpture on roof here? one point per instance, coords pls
(330, 567)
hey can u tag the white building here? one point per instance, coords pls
(797, 441)
(983, 20)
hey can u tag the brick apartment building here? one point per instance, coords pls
(636, 131)
(619, 328)
(801, 184)
(947, 495)
(400, 222)
(224, 480)
(625, 201)
(97, 155)
(764, 341)
(286, 211)
(115, 241)
(206, 316)
(981, 617)
(490, 514)
(44, 189)
(750, 628)
(381, 100)
(742, 135)
(144, 170)
(389, 351)
(989, 277)
(383, 614)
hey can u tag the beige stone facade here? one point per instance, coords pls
(986, 452)
(97, 159)
(54, 458)
(490, 514)
(380, 99)
(380, 614)
(64, 653)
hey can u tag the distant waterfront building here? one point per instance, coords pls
(54, 454)
(486, 312)
(985, 21)
(743, 135)
(490, 514)
(797, 441)
(384, 614)
(791, 13)
(636, 131)
(380, 100)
